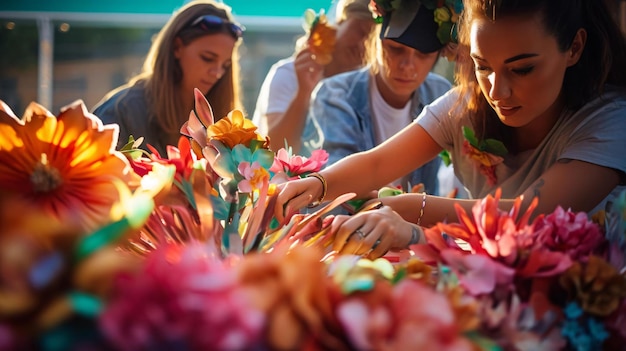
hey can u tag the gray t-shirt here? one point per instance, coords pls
(596, 133)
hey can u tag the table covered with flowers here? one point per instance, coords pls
(104, 249)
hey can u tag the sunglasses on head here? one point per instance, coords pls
(212, 22)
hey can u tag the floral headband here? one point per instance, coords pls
(446, 15)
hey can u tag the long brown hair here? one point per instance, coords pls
(161, 74)
(602, 61)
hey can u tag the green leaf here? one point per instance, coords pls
(309, 18)
(101, 238)
(495, 147)
(484, 343)
(400, 275)
(468, 134)
(187, 188)
(445, 157)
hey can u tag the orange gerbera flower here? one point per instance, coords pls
(234, 129)
(322, 40)
(64, 165)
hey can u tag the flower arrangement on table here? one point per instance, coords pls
(105, 249)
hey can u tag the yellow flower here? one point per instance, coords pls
(234, 129)
(63, 165)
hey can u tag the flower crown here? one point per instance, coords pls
(446, 15)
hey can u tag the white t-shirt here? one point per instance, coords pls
(595, 134)
(277, 91)
(388, 120)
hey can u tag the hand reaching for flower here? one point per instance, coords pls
(373, 233)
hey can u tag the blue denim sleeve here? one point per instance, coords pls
(333, 124)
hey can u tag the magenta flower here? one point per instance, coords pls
(295, 165)
(185, 298)
(568, 232)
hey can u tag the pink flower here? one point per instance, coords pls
(295, 165)
(412, 317)
(184, 296)
(500, 235)
(254, 176)
(570, 233)
(478, 274)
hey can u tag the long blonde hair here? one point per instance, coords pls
(161, 74)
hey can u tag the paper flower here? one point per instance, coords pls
(568, 232)
(322, 36)
(234, 129)
(296, 166)
(254, 176)
(596, 286)
(64, 165)
(486, 154)
(185, 297)
(500, 235)
(299, 311)
(411, 316)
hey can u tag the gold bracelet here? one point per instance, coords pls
(419, 220)
(324, 189)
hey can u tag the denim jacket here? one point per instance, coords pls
(340, 120)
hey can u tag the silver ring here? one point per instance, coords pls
(360, 234)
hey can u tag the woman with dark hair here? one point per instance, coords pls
(355, 111)
(539, 111)
(197, 48)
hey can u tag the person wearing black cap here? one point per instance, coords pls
(358, 110)
(533, 121)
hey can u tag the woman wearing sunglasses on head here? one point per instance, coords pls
(197, 48)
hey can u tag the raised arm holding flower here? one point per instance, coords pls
(516, 65)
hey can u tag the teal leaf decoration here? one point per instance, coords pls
(187, 188)
(85, 304)
(358, 284)
(101, 238)
(484, 343)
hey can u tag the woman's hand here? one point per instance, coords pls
(294, 195)
(308, 72)
(372, 233)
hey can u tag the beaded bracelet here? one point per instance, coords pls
(324, 189)
(419, 220)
